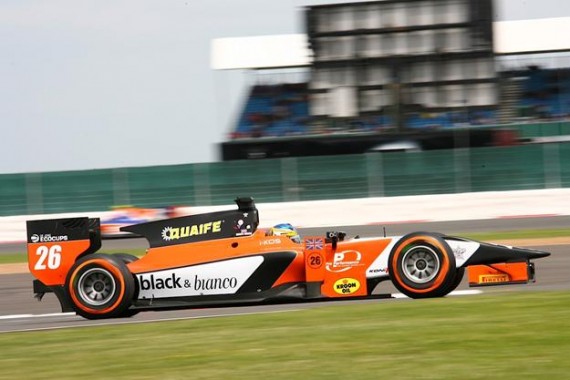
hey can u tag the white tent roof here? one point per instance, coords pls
(532, 36)
(291, 50)
(288, 50)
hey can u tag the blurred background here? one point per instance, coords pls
(188, 103)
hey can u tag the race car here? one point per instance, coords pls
(222, 258)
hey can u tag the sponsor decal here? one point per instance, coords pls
(378, 270)
(215, 283)
(315, 260)
(462, 250)
(314, 244)
(47, 238)
(175, 233)
(270, 241)
(241, 228)
(493, 278)
(459, 251)
(146, 283)
(343, 261)
(222, 277)
(176, 282)
(346, 286)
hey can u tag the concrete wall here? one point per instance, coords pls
(385, 210)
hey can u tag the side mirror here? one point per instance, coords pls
(334, 237)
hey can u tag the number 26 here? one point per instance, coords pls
(50, 258)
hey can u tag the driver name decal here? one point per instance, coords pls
(223, 277)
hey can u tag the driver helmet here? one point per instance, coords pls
(285, 229)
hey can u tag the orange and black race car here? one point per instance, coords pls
(222, 258)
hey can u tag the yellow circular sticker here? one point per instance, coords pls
(346, 286)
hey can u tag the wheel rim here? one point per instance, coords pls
(96, 286)
(420, 264)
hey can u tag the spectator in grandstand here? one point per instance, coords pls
(258, 124)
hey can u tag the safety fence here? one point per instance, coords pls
(545, 129)
(534, 166)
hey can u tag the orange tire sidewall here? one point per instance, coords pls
(107, 266)
(443, 271)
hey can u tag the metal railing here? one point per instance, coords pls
(532, 166)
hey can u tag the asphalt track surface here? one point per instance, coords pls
(19, 311)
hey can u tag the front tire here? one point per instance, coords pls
(422, 265)
(100, 286)
(456, 281)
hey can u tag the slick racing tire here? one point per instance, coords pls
(100, 286)
(459, 273)
(125, 257)
(422, 265)
(129, 313)
(456, 281)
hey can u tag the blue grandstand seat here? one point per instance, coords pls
(274, 110)
(546, 93)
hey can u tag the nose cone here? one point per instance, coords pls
(533, 253)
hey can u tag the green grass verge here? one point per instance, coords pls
(524, 335)
(518, 234)
(7, 258)
(11, 258)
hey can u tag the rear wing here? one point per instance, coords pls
(54, 245)
(200, 227)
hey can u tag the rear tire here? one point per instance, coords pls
(422, 265)
(126, 257)
(100, 286)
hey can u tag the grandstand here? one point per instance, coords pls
(539, 93)
(274, 110)
(395, 69)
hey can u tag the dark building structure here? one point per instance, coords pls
(389, 70)
(402, 58)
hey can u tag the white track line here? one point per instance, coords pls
(25, 316)
(114, 323)
(455, 293)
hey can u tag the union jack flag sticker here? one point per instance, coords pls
(314, 244)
